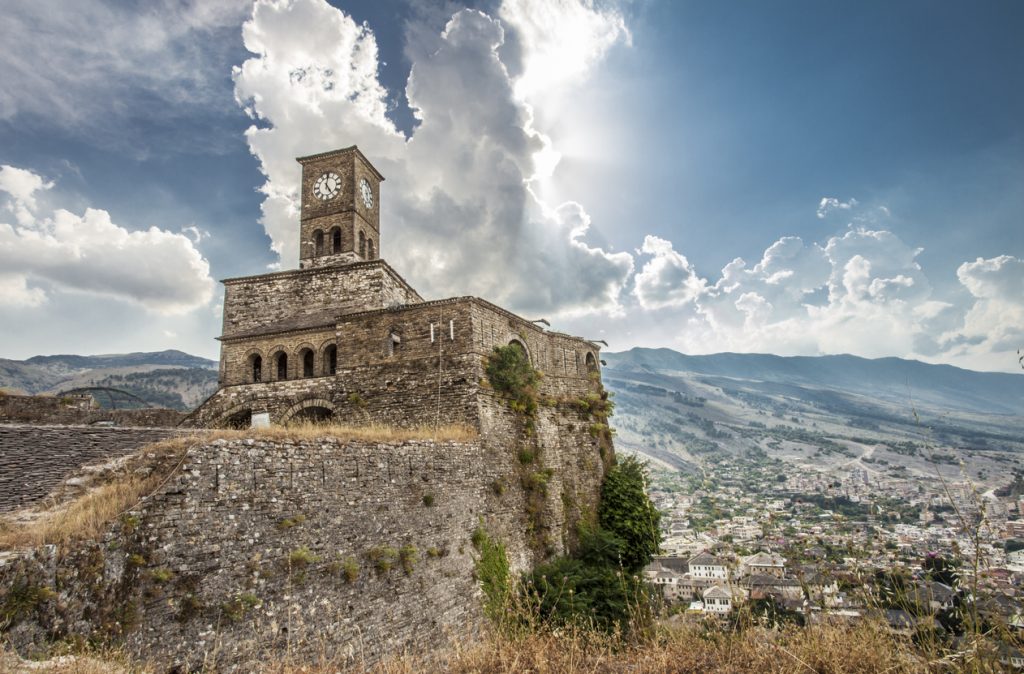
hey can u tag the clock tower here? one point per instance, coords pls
(340, 221)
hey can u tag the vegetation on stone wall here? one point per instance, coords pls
(492, 571)
(627, 512)
(509, 372)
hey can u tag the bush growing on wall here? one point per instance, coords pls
(627, 512)
(509, 372)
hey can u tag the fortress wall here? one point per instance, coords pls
(273, 299)
(202, 569)
(561, 358)
(35, 460)
(78, 410)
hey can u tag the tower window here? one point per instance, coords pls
(256, 363)
(307, 362)
(331, 360)
(362, 245)
(282, 366)
(370, 255)
(318, 243)
(336, 240)
(394, 343)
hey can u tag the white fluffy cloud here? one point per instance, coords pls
(88, 253)
(861, 292)
(830, 204)
(667, 279)
(458, 214)
(995, 322)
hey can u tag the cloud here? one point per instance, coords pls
(829, 204)
(995, 322)
(159, 270)
(21, 185)
(458, 213)
(114, 69)
(860, 292)
(560, 41)
(667, 279)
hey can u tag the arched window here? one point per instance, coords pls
(336, 240)
(307, 362)
(521, 348)
(362, 245)
(331, 360)
(256, 367)
(282, 366)
(591, 362)
(370, 255)
(318, 243)
(394, 343)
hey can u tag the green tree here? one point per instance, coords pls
(627, 512)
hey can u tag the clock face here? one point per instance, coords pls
(367, 193)
(327, 186)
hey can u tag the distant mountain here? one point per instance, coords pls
(165, 378)
(893, 379)
(836, 413)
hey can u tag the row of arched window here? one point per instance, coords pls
(278, 364)
(332, 238)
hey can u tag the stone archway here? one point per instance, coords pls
(239, 417)
(319, 410)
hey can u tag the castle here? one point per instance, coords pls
(344, 337)
(254, 546)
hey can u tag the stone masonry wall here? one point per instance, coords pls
(241, 556)
(78, 410)
(34, 460)
(277, 299)
(235, 355)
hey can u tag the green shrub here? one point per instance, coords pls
(428, 500)
(382, 557)
(492, 571)
(239, 606)
(301, 557)
(161, 575)
(290, 522)
(407, 556)
(627, 512)
(509, 372)
(350, 569)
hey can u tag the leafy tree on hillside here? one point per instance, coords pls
(627, 512)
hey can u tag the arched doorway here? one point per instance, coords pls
(313, 415)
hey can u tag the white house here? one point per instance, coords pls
(706, 565)
(717, 599)
(763, 564)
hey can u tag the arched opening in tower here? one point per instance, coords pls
(307, 362)
(282, 366)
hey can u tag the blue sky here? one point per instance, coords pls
(787, 177)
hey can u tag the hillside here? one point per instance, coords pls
(840, 411)
(170, 378)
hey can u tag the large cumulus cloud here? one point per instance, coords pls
(862, 291)
(64, 251)
(458, 212)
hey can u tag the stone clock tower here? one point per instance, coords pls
(340, 209)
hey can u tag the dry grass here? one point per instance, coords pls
(865, 648)
(119, 486)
